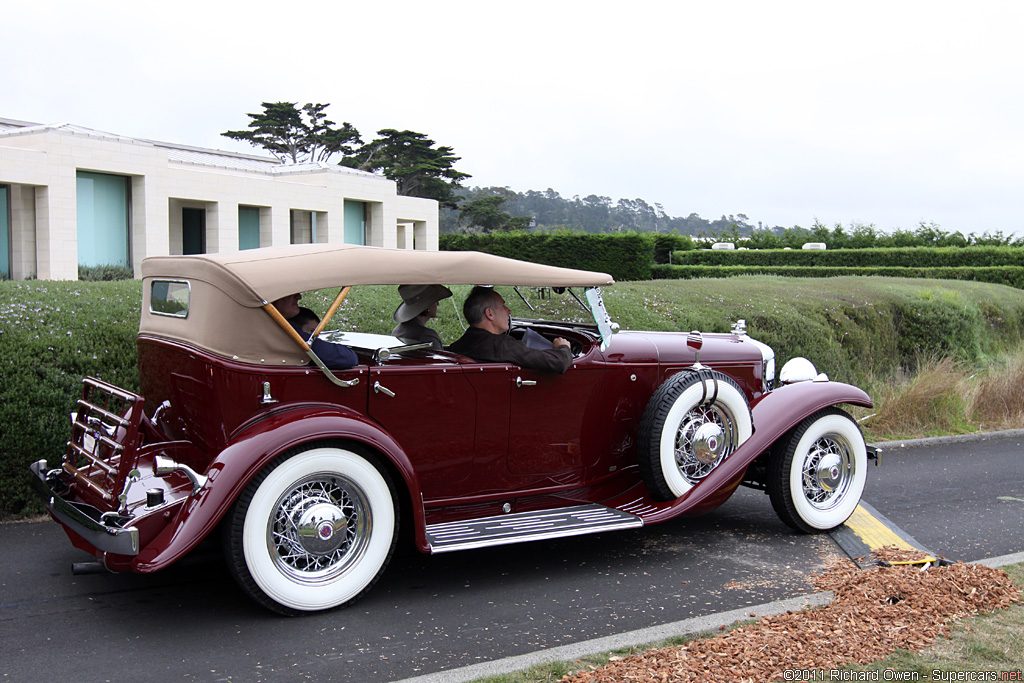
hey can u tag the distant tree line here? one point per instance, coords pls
(861, 236)
(548, 211)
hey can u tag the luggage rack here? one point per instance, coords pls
(104, 434)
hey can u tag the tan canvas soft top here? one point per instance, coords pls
(228, 292)
(262, 275)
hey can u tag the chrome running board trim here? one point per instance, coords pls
(527, 526)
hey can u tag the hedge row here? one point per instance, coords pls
(1012, 276)
(906, 257)
(624, 256)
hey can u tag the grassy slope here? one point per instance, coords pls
(865, 331)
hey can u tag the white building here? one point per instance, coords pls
(72, 196)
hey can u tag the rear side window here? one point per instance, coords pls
(170, 297)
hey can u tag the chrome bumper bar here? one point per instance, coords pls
(84, 520)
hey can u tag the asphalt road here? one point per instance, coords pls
(962, 500)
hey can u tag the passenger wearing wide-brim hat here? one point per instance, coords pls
(419, 304)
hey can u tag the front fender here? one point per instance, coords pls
(250, 451)
(774, 414)
(778, 411)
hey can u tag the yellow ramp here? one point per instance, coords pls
(868, 530)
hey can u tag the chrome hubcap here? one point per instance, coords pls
(705, 438)
(319, 528)
(708, 441)
(828, 472)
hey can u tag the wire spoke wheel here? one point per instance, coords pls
(693, 422)
(817, 472)
(706, 437)
(313, 531)
(320, 527)
(828, 471)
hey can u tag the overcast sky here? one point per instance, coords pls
(887, 113)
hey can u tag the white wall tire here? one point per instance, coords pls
(693, 422)
(817, 472)
(313, 531)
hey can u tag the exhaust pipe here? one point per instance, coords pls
(83, 568)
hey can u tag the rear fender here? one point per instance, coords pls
(252, 449)
(774, 414)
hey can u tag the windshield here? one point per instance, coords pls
(604, 322)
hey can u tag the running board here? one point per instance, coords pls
(527, 526)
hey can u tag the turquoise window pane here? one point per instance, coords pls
(5, 234)
(248, 227)
(355, 223)
(102, 219)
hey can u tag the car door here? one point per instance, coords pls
(556, 422)
(430, 409)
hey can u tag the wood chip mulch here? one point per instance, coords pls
(874, 612)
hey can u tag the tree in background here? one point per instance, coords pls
(486, 214)
(412, 160)
(296, 135)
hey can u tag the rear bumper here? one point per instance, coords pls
(84, 520)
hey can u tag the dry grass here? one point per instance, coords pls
(946, 396)
(934, 400)
(998, 401)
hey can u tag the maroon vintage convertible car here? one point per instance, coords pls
(308, 474)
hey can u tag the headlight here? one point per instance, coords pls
(797, 370)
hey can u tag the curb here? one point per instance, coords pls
(653, 634)
(642, 636)
(959, 438)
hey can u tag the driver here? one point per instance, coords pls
(487, 340)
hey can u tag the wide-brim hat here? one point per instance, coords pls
(418, 298)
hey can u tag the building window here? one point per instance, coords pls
(193, 231)
(355, 222)
(102, 203)
(248, 227)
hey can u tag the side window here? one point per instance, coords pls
(170, 297)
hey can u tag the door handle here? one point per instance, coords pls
(520, 382)
(379, 388)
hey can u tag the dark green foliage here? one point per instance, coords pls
(296, 135)
(418, 167)
(1012, 276)
(52, 334)
(857, 236)
(906, 257)
(548, 211)
(487, 215)
(856, 329)
(624, 256)
(104, 273)
(665, 246)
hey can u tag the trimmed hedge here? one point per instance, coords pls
(52, 334)
(624, 256)
(906, 257)
(1012, 276)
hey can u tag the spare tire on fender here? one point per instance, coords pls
(692, 423)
